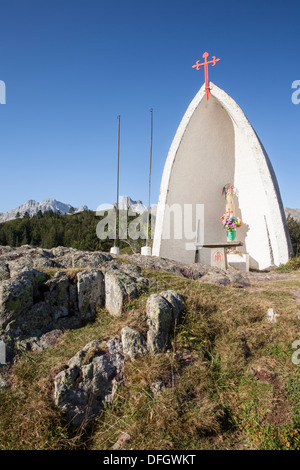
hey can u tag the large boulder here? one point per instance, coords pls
(90, 379)
(17, 295)
(122, 283)
(26, 257)
(91, 292)
(57, 295)
(90, 259)
(29, 257)
(4, 271)
(163, 312)
(177, 303)
(159, 319)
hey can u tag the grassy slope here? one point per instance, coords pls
(215, 402)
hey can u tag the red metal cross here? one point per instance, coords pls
(205, 63)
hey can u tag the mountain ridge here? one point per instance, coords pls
(295, 213)
(33, 207)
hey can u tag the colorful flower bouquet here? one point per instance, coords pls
(231, 223)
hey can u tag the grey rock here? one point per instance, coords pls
(163, 313)
(34, 343)
(36, 277)
(4, 250)
(90, 379)
(176, 301)
(28, 257)
(160, 320)
(15, 297)
(196, 271)
(121, 285)
(58, 295)
(88, 259)
(91, 292)
(48, 340)
(218, 278)
(32, 322)
(115, 294)
(133, 343)
(4, 271)
(30, 304)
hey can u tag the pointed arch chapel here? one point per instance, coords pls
(215, 145)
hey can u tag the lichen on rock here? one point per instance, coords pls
(122, 283)
(91, 292)
(163, 312)
(133, 342)
(90, 379)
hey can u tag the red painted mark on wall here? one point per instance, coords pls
(218, 256)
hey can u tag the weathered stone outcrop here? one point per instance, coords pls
(35, 343)
(92, 376)
(33, 303)
(196, 271)
(90, 379)
(28, 257)
(176, 302)
(91, 292)
(4, 271)
(133, 342)
(17, 295)
(163, 311)
(57, 295)
(122, 283)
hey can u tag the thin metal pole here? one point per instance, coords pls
(151, 138)
(118, 171)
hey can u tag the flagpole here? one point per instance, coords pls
(118, 173)
(115, 249)
(149, 203)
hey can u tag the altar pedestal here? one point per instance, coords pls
(239, 261)
(218, 258)
(218, 255)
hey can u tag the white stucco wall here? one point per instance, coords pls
(215, 145)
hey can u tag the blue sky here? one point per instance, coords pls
(72, 66)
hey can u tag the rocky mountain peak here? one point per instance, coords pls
(33, 207)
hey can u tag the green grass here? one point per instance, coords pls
(213, 403)
(292, 265)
